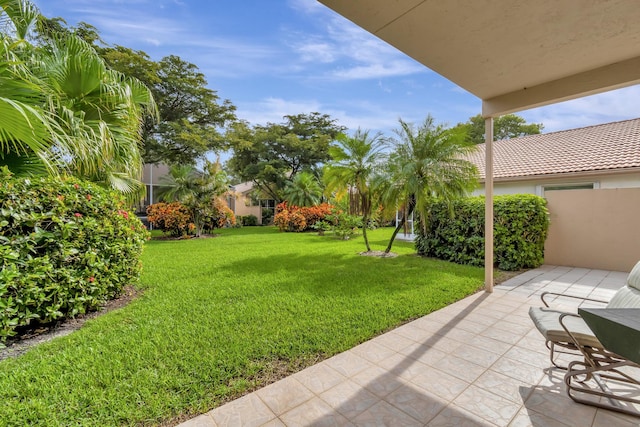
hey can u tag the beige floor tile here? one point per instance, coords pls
(472, 326)
(561, 408)
(247, 411)
(514, 328)
(348, 363)
(520, 371)
(460, 368)
(394, 341)
(424, 353)
(454, 416)
(428, 324)
(459, 335)
(284, 395)
(417, 402)
(528, 418)
(404, 366)
(478, 318)
(315, 412)
(383, 414)
(349, 399)
(500, 335)
(440, 383)
(504, 386)
(274, 423)
(319, 378)
(377, 380)
(605, 418)
(204, 420)
(414, 333)
(487, 405)
(373, 351)
(534, 343)
(489, 344)
(445, 344)
(533, 358)
(476, 355)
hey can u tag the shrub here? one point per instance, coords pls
(172, 218)
(219, 216)
(521, 222)
(343, 225)
(67, 246)
(249, 220)
(294, 218)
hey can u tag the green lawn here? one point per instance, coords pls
(219, 317)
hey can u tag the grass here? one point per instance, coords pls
(222, 316)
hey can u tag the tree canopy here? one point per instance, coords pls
(272, 155)
(191, 115)
(63, 109)
(504, 127)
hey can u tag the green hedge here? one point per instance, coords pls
(66, 247)
(456, 233)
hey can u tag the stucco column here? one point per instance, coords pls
(488, 205)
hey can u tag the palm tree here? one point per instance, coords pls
(303, 190)
(354, 160)
(197, 190)
(63, 109)
(428, 162)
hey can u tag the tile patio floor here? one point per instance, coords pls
(478, 362)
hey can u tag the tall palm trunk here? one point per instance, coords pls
(366, 209)
(400, 225)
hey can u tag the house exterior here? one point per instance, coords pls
(242, 201)
(595, 157)
(591, 180)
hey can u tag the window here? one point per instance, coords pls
(541, 189)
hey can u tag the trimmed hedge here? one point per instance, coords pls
(66, 247)
(456, 233)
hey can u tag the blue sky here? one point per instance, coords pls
(278, 57)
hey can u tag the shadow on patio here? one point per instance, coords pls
(478, 362)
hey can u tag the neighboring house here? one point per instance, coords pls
(151, 178)
(591, 180)
(243, 201)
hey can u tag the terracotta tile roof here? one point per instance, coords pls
(612, 146)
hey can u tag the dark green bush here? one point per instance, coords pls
(456, 233)
(249, 220)
(66, 247)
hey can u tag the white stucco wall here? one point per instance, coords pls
(631, 180)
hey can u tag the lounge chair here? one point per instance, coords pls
(569, 332)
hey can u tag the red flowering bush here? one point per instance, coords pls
(294, 218)
(172, 218)
(220, 215)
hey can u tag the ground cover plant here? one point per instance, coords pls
(222, 316)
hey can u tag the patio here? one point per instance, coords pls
(478, 362)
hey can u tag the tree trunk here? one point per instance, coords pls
(400, 225)
(365, 219)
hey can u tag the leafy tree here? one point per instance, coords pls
(271, 156)
(191, 115)
(354, 160)
(504, 127)
(71, 112)
(197, 190)
(303, 190)
(427, 163)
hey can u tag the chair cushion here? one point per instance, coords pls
(625, 297)
(633, 280)
(548, 323)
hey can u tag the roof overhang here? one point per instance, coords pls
(512, 54)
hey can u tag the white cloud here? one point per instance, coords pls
(606, 107)
(353, 52)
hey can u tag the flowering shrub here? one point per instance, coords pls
(66, 247)
(294, 218)
(172, 218)
(220, 215)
